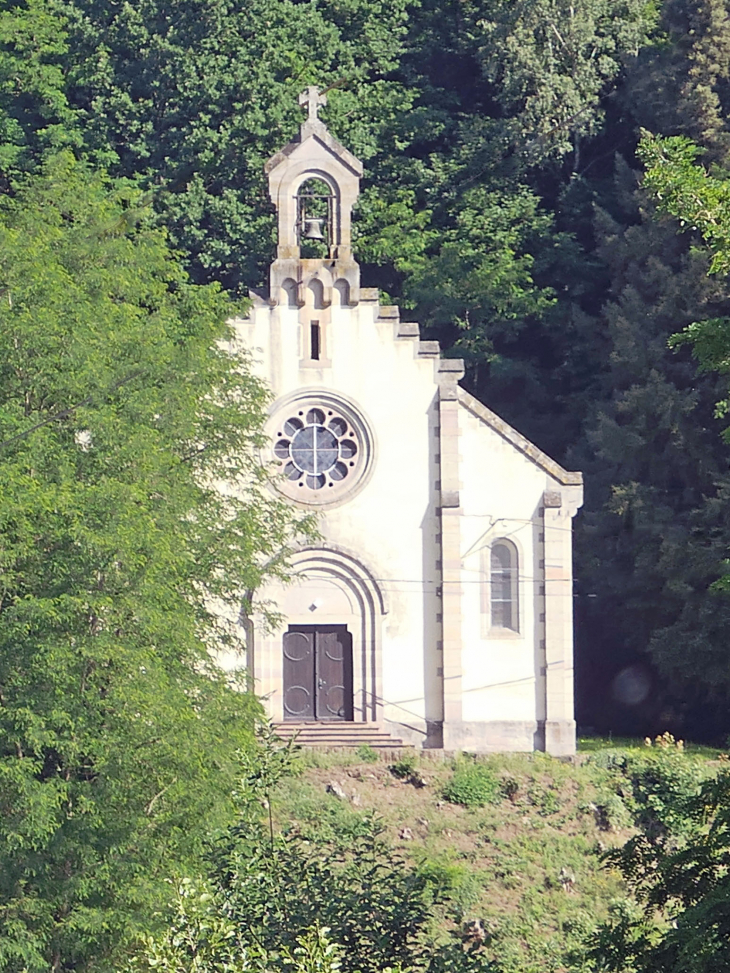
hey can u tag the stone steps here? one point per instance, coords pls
(338, 734)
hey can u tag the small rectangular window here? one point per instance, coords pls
(314, 340)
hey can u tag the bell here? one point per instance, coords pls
(313, 229)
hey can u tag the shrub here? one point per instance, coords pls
(544, 799)
(459, 882)
(664, 783)
(405, 767)
(473, 785)
(609, 759)
(510, 787)
(611, 814)
(366, 753)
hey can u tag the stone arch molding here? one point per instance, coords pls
(368, 608)
(347, 568)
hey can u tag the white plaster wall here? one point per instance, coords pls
(501, 492)
(384, 526)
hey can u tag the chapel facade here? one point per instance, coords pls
(437, 608)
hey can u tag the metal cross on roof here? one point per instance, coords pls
(313, 100)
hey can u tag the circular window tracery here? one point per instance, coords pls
(323, 449)
(317, 447)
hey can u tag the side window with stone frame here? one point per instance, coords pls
(501, 592)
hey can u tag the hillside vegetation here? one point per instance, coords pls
(517, 842)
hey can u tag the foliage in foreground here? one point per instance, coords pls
(681, 886)
(202, 939)
(119, 413)
(267, 892)
(267, 895)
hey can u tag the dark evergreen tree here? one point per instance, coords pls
(653, 537)
(653, 457)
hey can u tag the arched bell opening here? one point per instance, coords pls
(316, 287)
(342, 292)
(289, 293)
(315, 221)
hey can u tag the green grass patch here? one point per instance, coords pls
(472, 784)
(366, 753)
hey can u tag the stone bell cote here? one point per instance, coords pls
(314, 182)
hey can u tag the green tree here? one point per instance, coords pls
(35, 115)
(653, 534)
(653, 458)
(508, 96)
(679, 920)
(191, 102)
(201, 938)
(552, 61)
(681, 82)
(699, 199)
(692, 543)
(503, 292)
(377, 906)
(122, 412)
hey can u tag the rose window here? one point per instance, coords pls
(317, 448)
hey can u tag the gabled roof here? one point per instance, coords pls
(514, 438)
(318, 131)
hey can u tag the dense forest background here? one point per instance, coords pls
(507, 208)
(502, 208)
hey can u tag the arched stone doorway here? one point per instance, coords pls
(333, 608)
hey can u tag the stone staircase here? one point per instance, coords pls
(336, 734)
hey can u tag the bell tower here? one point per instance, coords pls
(314, 183)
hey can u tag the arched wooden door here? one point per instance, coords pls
(317, 673)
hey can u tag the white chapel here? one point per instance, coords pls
(437, 607)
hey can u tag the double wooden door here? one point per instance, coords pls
(317, 673)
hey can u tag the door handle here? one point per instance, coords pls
(321, 684)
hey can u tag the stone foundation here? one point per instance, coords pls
(496, 736)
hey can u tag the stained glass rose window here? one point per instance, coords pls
(317, 447)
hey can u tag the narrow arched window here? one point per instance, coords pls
(503, 586)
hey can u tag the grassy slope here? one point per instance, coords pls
(528, 866)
